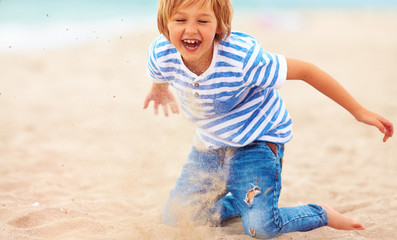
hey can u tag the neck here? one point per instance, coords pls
(200, 66)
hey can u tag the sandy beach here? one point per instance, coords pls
(81, 160)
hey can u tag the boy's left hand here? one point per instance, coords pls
(373, 119)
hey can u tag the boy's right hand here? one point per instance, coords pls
(373, 119)
(161, 95)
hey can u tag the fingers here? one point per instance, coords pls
(388, 129)
(165, 108)
(156, 108)
(164, 103)
(384, 126)
(146, 103)
(174, 108)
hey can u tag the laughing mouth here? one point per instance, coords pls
(191, 44)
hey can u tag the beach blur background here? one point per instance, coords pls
(80, 159)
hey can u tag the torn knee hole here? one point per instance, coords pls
(251, 194)
(252, 231)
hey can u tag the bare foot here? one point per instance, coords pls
(340, 221)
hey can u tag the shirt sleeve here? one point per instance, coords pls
(264, 69)
(153, 69)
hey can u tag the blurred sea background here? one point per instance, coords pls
(46, 24)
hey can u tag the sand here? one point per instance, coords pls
(80, 159)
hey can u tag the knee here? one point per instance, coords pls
(262, 229)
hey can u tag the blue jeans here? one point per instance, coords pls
(239, 182)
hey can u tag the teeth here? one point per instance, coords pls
(190, 41)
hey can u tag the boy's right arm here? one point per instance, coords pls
(161, 95)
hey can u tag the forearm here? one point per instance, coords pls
(324, 83)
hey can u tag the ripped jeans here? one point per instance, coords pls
(239, 182)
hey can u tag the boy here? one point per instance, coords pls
(227, 86)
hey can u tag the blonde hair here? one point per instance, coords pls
(222, 8)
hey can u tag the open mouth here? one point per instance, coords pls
(191, 44)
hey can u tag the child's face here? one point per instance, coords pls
(192, 31)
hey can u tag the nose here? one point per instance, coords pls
(191, 27)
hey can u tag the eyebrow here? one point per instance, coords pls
(205, 15)
(200, 14)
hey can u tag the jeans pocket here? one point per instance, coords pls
(273, 147)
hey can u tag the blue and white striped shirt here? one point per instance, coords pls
(233, 103)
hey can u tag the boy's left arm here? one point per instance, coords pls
(327, 85)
